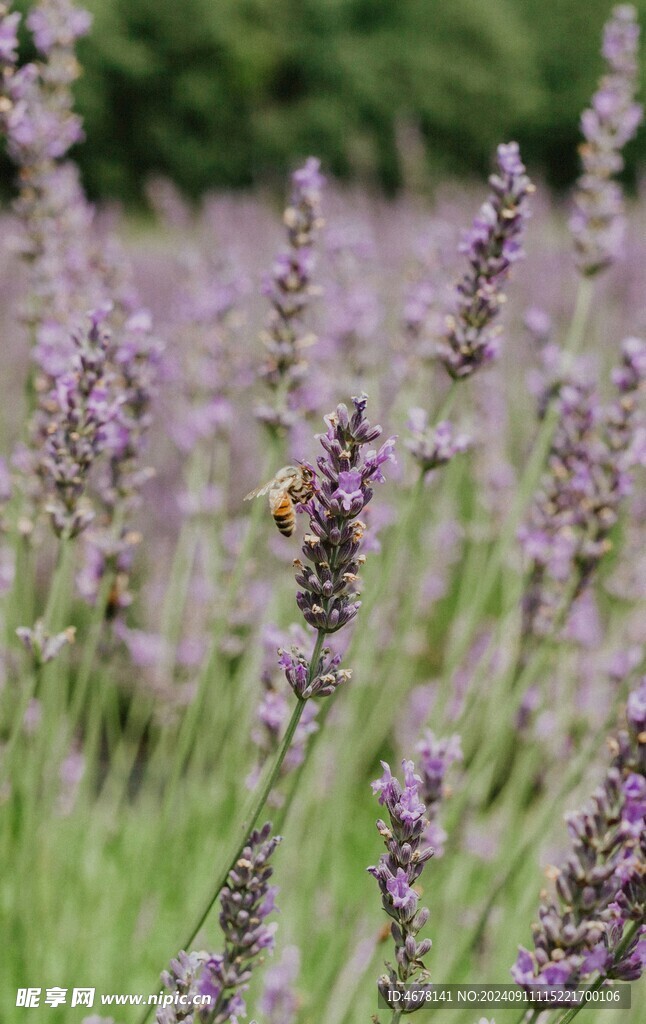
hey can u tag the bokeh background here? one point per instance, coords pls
(229, 93)
(405, 102)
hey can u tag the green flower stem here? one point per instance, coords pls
(251, 819)
(58, 596)
(54, 620)
(247, 826)
(90, 648)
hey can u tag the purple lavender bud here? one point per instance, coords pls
(598, 220)
(398, 870)
(402, 896)
(491, 246)
(57, 23)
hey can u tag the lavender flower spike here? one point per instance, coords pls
(398, 870)
(328, 576)
(289, 289)
(598, 222)
(578, 501)
(602, 885)
(212, 984)
(491, 246)
(80, 407)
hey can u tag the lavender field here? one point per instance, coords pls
(441, 400)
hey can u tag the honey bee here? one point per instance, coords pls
(118, 591)
(291, 484)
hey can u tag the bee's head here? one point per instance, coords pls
(307, 472)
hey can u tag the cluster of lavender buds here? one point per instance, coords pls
(134, 357)
(329, 574)
(289, 289)
(245, 902)
(43, 646)
(601, 888)
(398, 870)
(71, 268)
(37, 117)
(134, 360)
(491, 246)
(578, 502)
(81, 408)
(273, 711)
(433, 446)
(598, 222)
(435, 758)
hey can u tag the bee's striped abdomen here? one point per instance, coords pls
(284, 517)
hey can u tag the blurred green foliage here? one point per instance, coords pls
(230, 92)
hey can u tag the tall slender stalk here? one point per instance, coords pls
(251, 819)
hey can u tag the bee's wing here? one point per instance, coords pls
(277, 497)
(258, 492)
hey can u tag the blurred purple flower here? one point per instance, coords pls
(289, 289)
(598, 220)
(433, 446)
(602, 884)
(278, 1002)
(399, 869)
(491, 246)
(577, 504)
